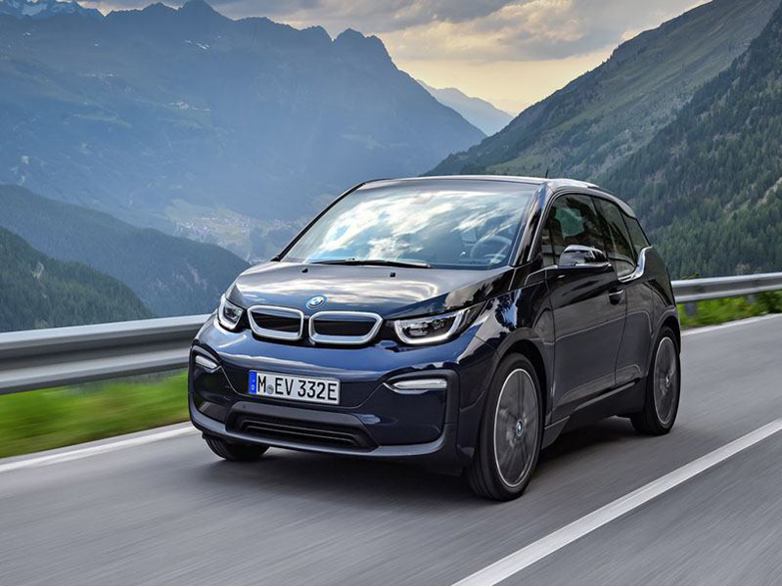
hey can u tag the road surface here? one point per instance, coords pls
(161, 508)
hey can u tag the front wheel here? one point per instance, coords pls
(231, 451)
(663, 387)
(511, 432)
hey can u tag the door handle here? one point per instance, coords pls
(616, 296)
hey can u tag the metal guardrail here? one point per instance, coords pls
(34, 359)
(711, 288)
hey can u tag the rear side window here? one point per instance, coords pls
(572, 220)
(637, 236)
(620, 248)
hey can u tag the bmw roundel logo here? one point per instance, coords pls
(316, 301)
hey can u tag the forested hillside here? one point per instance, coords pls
(37, 291)
(599, 119)
(171, 275)
(709, 186)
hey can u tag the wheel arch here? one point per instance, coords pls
(530, 351)
(669, 320)
(673, 323)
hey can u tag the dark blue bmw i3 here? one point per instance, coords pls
(465, 321)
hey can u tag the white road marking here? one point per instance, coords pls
(532, 553)
(745, 322)
(81, 453)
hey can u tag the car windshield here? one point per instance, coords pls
(421, 223)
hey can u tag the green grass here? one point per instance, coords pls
(727, 309)
(40, 420)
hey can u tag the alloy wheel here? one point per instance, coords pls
(516, 428)
(666, 380)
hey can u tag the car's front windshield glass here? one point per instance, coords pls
(471, 224)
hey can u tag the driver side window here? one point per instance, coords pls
(572, 220)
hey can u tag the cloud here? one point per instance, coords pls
(465, 29)
(369, 16)
(510, 52)
(533, 30)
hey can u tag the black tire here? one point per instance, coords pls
(517, 437)
(242, 453)
(663, 388)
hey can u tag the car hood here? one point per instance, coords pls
(392, 292)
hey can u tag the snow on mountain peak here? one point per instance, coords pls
(40, 9)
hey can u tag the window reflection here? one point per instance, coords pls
(470, 224)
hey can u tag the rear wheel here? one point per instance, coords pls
(231, 451)
(663, 386)
(511, 431)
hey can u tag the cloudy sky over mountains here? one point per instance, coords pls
(511, 53)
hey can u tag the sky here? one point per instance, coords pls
(512, 53)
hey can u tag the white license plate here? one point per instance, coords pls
(292, 387)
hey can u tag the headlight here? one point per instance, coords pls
(228, 314)
(432, 329)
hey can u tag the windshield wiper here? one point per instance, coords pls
(383, 262)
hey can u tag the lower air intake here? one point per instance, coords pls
(327, 435)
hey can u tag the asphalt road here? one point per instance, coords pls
(170, 512)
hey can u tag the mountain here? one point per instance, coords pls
(40, 292)
(599, 119)
(146, 113)
(41, 9)
(480, 113)
(171, 275)
(709, 185)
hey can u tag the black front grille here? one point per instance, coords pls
(343, 327)
(284, 429)
(279, 323)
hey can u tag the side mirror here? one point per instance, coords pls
(582, 256)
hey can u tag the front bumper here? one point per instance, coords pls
(372, 420)
(442, 448)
